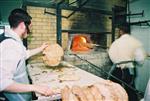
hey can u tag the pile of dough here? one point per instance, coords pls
(102, 91)
(53, 54)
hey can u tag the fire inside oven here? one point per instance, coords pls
(81, 43)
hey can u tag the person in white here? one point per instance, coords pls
(14, 81)
(126, 48)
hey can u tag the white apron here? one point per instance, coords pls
(20, 76)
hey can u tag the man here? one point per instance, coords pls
(14, 80)
(126, 48)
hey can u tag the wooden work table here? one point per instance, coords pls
(51, 78)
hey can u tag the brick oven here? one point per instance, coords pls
(88, 38)
(86, 49)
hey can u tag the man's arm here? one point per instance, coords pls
(36, 51)
(140, 55)
(20, 88)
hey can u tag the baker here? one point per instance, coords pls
(126, 52)
(14, 82)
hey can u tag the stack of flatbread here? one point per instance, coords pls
(53, 54)
(106, 91)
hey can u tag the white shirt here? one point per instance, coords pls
(11, 51)
(126, 48)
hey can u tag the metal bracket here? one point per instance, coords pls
(73, 2)
(45, 12)
(78, 8)
(141, 23)
(142, 14)
(132, 14)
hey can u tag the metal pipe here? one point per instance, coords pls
(58, 24)
(97, 68)
(113, 25)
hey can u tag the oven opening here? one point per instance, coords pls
(81, 43)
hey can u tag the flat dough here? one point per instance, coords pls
(67, 94)
(100, 91)
(112, 91)
(53, 54)
(52, 61)
(68, 77)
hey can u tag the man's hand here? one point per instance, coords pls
(44, 45)
(43, 90)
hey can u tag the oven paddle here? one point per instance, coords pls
(98, 45)
(96, 67)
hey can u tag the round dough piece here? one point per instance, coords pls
(53, 54)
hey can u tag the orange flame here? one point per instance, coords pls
(79, 43)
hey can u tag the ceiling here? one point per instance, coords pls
(6, 6)
(103, 5)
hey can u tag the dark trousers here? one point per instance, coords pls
(124, 75)
(2, 97)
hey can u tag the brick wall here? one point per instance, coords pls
(44, 26)
(43, 30)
